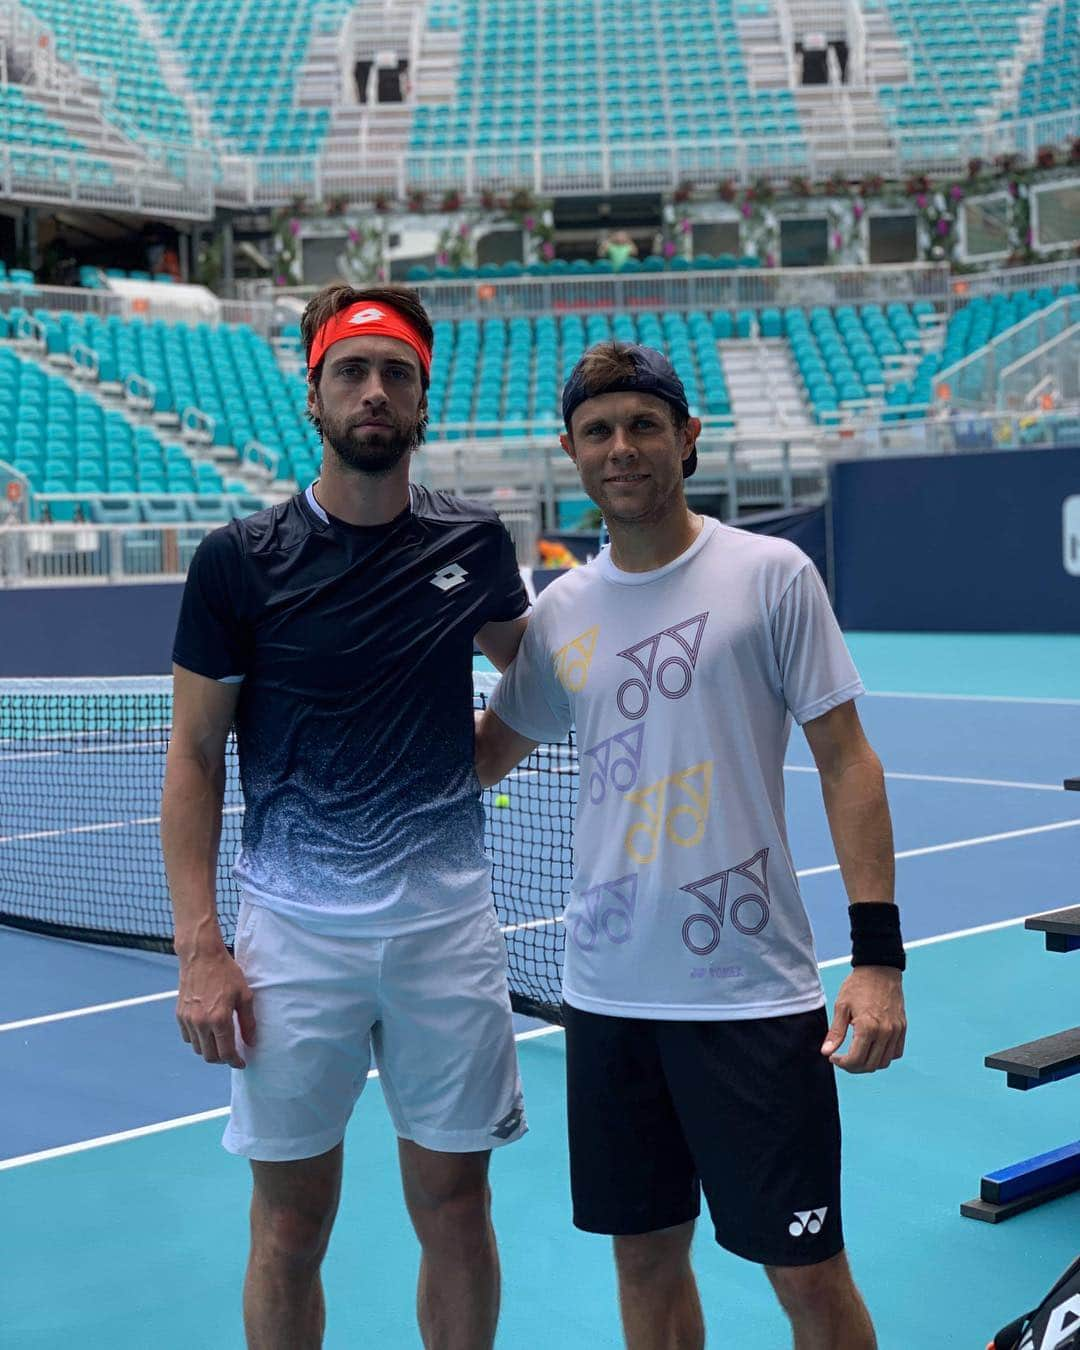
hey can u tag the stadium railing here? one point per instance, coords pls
(976, 382)
(656, 165)
(90, 552)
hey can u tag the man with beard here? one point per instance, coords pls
(699, 1053)
(336, 630)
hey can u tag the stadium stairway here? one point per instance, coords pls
(763, 385)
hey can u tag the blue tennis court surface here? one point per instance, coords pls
(142, 1241)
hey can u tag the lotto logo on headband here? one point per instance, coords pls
(373, 321)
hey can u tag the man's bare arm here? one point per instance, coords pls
(853, 787)
(499, 641)
(212, 987)
(498, 748)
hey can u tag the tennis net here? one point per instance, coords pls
(81, 768)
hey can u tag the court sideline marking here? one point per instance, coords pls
(24, 1023)
(218, 1113)
(160, 1126)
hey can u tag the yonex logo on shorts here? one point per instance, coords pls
(367, 316)
(808, 1221)
(509, 1124)
(449, 577)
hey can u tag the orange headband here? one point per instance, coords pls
(365, 319)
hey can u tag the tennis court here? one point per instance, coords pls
(125, 1223)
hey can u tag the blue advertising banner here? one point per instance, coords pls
(958, 543)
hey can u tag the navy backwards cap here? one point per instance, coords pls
(653, 374)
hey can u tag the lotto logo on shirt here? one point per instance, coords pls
(572, 662)
(615, 761)
(607, 910)
(677, 807)
(672, 677)
(748, 912)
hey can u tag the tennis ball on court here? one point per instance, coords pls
(501, 799)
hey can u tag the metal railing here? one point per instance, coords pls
(88, 553)
(1050, 374)
(655, 165)
(749, 288)
(82, 553)
(974, 382)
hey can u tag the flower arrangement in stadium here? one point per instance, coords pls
(757, 207)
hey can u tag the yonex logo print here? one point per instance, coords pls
(683, 824)
(672, 677)
(808, 1221)
(367, 316)
(449, 577)
(607, 909)
(617, 761)
(749, 913)
(573, 660)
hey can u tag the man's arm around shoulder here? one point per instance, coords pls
(871, 999)
(212, 986)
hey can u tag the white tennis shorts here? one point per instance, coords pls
(432, 1006)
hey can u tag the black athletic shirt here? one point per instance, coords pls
(354, 646)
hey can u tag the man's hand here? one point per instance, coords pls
(871, 1001)
(212, 989)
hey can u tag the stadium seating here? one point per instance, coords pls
(558, 74)
(956, 58)
(560, 267)
(228, 372)
(65, 442)
(1053, 82)
(102, 40)
(251, 98)
(25, 125)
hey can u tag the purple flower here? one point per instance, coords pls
(770, 259)
(858, 210)
(669, 249)
(1030, 237)
(686, 226)
(956, 192)
(943, 226)
(279, 281)
(442, 259)
(747, 210)
(354, 236)
(837, 241)
(548, 250)
(530, 223)
(920, 201)
(463, 231)
(294, 228)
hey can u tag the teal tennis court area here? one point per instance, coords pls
(125, 1223)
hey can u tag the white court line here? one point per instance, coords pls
(976, 698)
(160, 1126)
(97, 828)
(946, 778)
(957, 843)
(86, 1012)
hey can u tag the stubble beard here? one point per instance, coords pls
(376, 453)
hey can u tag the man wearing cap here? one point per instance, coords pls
(336, 630)
(699, 1052)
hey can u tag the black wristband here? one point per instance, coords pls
(875, 935)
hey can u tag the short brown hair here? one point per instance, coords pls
(334, 298)
(608, 367)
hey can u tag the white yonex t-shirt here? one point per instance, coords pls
(682, 683)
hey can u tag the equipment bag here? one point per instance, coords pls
(1053, 1325)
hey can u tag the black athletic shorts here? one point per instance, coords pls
(746, 1111)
